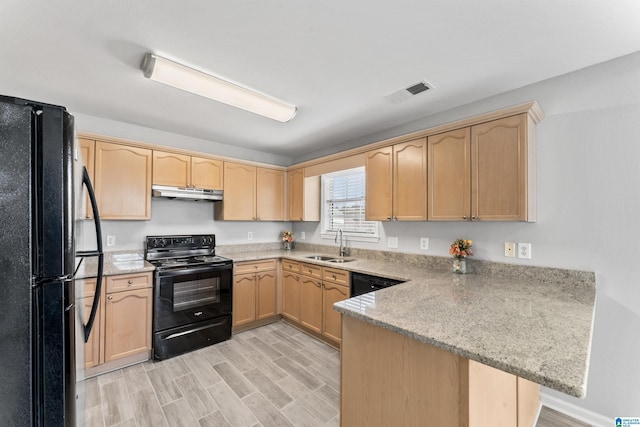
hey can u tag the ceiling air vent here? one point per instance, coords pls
(406, 93)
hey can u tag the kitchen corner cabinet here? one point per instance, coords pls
(304, 196)
(87, 151)
(128, 308)
(179, 170)
(483, 172)
(123, 181)
(397, 182)
(254, 291)
(251, 194)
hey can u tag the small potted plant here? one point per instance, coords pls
(287, 239)
(460, 250)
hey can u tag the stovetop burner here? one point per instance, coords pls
(178, 251)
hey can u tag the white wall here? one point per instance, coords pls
(588, 165)
(181, 217)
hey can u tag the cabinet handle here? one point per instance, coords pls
(388, 217)
(334, 277)
(255, 266)
(319, 284)
(110, 297)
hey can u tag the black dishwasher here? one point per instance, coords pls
(364, 283)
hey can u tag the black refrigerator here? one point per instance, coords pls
(41, 189)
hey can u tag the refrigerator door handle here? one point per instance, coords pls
(97, 253)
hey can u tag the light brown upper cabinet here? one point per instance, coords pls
(304, 196)
(397, 182)
(270, 194)
(179, 170)
(502, 170)
(482, 172)
(252, 194)
(123, 181)
(87, 150)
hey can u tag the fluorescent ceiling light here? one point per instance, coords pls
(182, 77)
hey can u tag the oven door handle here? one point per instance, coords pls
(192, 270)
(190, 331)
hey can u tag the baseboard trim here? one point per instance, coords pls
(584, 415)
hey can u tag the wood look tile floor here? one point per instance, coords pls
(274, 375)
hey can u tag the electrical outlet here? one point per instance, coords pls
(392, 242)
(424, 243)
(524, 250)
(111, 240)
(510, 250)
(302, 235)
(250, 235)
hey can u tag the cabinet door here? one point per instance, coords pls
(296, 195)
(239, 201)
(499, 170)
(244, 299)
(332, 326)
(311, 303)
(450, 176)
(87, 150)
(410, 180)
(207, 173)
(379, 169)
(270, 194)
(291, 296)
(266, 294)
(171, 169)
(92, 347)
(127, 327)
(492, 396)
(123, 181)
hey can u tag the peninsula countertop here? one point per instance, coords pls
(535, 323)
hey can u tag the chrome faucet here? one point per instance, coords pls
(343, 248)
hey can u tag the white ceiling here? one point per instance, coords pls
(334, 59)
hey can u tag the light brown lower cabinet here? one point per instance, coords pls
(254, 291)
(314, 290)
(430, 387)
(122, 328)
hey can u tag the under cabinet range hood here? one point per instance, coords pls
(182, 193)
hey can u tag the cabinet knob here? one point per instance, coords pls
(465, 217)
(130, 282)
(334, 277)
(388, 217)
(110, 297)
(474, 218)
(255, 266)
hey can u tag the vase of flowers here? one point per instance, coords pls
(460, 250)
(287, 240)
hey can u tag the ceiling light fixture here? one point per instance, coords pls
(182, 77)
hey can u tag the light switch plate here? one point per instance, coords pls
(392, 242)
(250, 235)
(302, 235)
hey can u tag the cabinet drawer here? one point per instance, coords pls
(340, 277)
(290, 266)
(254, 266)
(89, 286)
(311, 270)
(127, 282)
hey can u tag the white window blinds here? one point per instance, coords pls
(345, 204)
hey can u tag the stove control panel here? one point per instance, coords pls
(181, 242)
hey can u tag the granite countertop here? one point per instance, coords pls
(114, 263)
(535, 323)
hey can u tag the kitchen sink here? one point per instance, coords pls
(341, 260)
(321, 257)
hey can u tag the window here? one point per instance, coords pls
(343, 195)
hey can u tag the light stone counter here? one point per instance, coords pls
(533, 322)
(114, 263)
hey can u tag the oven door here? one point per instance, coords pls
(191, 295)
